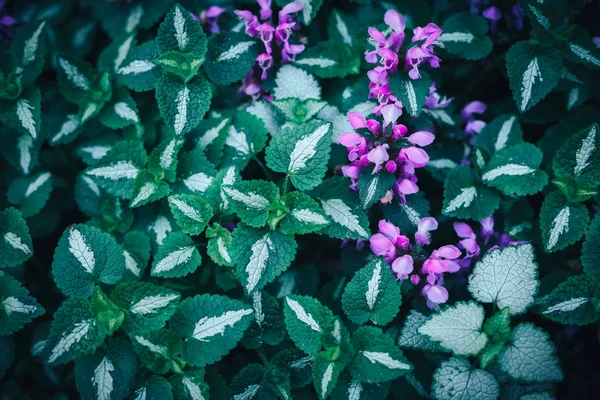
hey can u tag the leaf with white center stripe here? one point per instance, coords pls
(176, 257)
(157, 349)
(84, 257)
(24, 114)
(75, 78)
(503, 131)
(136, 250)
(571, 302)
(163, 161)
(330, 59)
(152, 387)
(297, 111)
(342, 206)
(411, 92)
(211, 135)
(15, 242)
(305, 215)
(267, 326)
(579, 157)
(340, 26)
(562, 223)
(230, 56)
(325, 373)
(407, 216)
(29, 46)
(138, 70)
(192, 213)
(195, 174)
(74, 332)
(411, 338)
(515, 170)
(31, 193)
(582, 49)
(17, 307)
(180, 32)
(458, 328)
(246, 137)
(148, 306)
(120, 112)
(255, 382)
(293, 82)
(112, 57)
(297, 363)
(441, 116)
(373, 187)
(378, 358)
(530, 356)
(373, 295)
(219, 245)
(109, 373)
(252, 200)
(307, 321)
(66, 130)
(456, 379)
(189, 386)
(182, 105)
(465, 35)
(147, 190)
(465, 197)
(533, 71)
(211, 326)
(506, 277)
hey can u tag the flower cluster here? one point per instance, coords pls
(402, 256)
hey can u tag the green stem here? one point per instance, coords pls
(264, 169)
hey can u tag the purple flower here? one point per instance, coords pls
(423, 53)
(427, 224)
(354, 143)
(435, 101)
(442, 260)
(378, 156)
(436, 294)
(381, 245)
(403, 266)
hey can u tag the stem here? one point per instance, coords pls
(263, 358)
(263, 168)
(286, 184)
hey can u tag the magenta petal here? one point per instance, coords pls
(416, 156)
(427, 224)
(391, 113)
(351, 171)
(474, 107)
(377, 36)
(291, 8)
(403, 265)
(463, 230)
(448, 252)
(357, 120)
(421, 138)
(406, 186)
(437, 294)
(390, 230)
(214, 11)
(350, 139)
(395, 20)
(378, 155)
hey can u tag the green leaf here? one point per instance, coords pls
(254, 381)
(176, 257)
(457, 379)
(466, 198)
(118, 169)
(219, 247)
(412, 93)
(306, 321)
(302, 153)
(503, 131)
(29, 46)
(31, 193)
(297, 363)
(562, 223)
(261, 255)
(348, 220)
(17, 306)
(252, 200)
(107, 374)
(138, 71)
(590, 250)
(211, 326)
(581, 48)
(191, 213)
(112, 57)
(230, 56)
(162, 162)
(75, 332)
(75, 78)
(531, 357)
(120, 112)
(411, 338)
(211, 135)
(147, 306)
(330, 59)
(195, 173)
(571, 301)
(497, 327)
(373, 187)
(246, 137)
(189, 385)
(184, 65)
(305, 215)
(84, 257)
(515, 170)
(458, 328)
(25, 114)
(136, 250)
(579, 157)
(378, 359)
(157, 350)
(108, 315)
(293, 82)
(7, 353)
(298, 111)
(16, 246)
(407, 216)
(325, 373)
(373, 294)
(148, 189)
(62, 128)
(180, 32)
(153, 388)
(506, 277)
(533, 72)
(268, 326)
(465, 35)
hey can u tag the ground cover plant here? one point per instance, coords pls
(308, 199)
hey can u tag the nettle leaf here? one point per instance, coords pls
(373, 294)
(109, 373)
(75, 332)
(148, 189)
(147, 306)
(211, 326)
(330, 59)
(117, 170)
(412, 93)
(264, 111)
(176, 257)
(307, 321)
(192, 213)
(341, 204)
(219, 247)
(7, 352)
(533, 72)
(62, 128)
(298, 111)
(465, 35)
(182, 105)
(74, 78)
(297, 363)
(261, 255)
(590, 250)
(325, 373)
(302, 153)
(25, 114)
(571, 301)
(17, 307)
(466, 198)
(159, 228)
(252, 200)
(268, 326)
(581, 48)
(163, 161)
(195, 174)
(120, 112)
(378, 359)
(211, 135)
(31, 193)
(246, 137)
(562, 223)
(22, 152)
(136, 250)
(180, 32)
(293, 82)
(153, 388)
(16, 246)
(458, 328)
(29, 47)
(457, 379)
(515, 170)
(503, 131)
(113, 55)
(254, 381)
(305, 216)
(411, 338)
(189, 385)
(506, 277)
(372, 187)
(407, 216)
(229, 57)
(579, 157)
(339, 27)
(156, 350)
(138, 71)
(84, 257)
(531, 357)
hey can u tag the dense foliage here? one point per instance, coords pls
(297, 200)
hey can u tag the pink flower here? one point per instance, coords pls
(265, 62)
(403, 266)
(391, 113)
(354, 143)
(265, 9)
(427, 224)
(436, 294)
(378, 156)
(382, 246)
(421, 138)
(357, 120)
(418, 157)
(442, 260)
